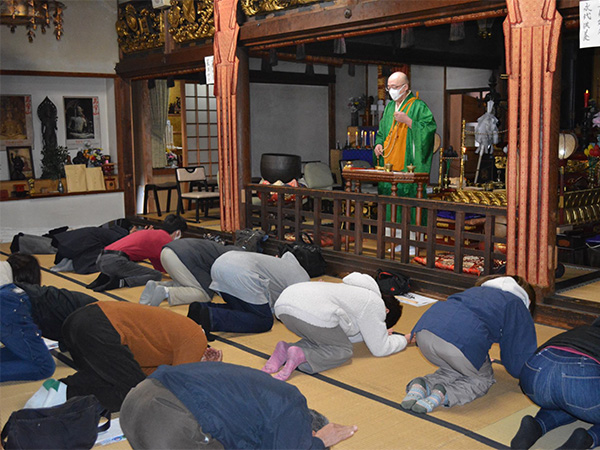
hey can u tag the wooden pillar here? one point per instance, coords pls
(531, 33)
(243, 130)
(226, 67)
(125, 143)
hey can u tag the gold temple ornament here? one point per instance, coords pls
(31, 14)
(139, 29)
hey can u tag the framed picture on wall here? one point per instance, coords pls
(82, 120)
(20, 163)
(16, 126)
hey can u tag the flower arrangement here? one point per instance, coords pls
(94, 156)
(171, 158)
(357, 103)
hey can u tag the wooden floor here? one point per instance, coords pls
(366, 392)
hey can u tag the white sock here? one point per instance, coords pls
(160, 293)
(147, 292)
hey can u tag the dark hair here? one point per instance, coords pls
(25, 268)
(395, 310)
(173, 222)
(528, 288)
(318, 420)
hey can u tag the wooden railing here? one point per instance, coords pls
(357, 223)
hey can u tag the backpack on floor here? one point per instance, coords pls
(72, 425)
(392, 283)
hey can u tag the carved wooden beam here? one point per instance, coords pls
(364, 17)
(531, 32)
(226, 67)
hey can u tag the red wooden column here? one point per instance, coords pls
(531, 32)
(226, 67)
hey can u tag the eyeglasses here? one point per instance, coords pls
(387, 89)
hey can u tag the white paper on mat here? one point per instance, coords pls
(112, 435)
(50, 343)
(415, 299)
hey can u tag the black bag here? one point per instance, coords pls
(72, 425)
(392, 283)
(250, 239)
(308, 255)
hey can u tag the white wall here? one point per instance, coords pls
(55, 88)
(460, 78)
(288, 118)
(39, 215)
(89, 43)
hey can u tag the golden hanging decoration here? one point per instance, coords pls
(31, 14)
(191, 20)
(139, 30)
(255, 7)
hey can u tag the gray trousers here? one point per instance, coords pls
(324, 348)
(185, 289)
(153, 418)
(462, 381)
(36, 245)
(134, 274)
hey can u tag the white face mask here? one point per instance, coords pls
(177, 235)
(396, 93)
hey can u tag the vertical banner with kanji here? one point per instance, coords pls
(589, 23)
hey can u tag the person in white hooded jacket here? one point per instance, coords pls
(329, 318)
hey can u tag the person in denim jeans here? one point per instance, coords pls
(563, 378)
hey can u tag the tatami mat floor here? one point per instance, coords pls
(366, 392)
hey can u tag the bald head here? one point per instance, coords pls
(397, 79)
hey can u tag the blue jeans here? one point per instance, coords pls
(238, 316)
(566, 386)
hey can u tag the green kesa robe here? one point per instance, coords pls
(422, 134)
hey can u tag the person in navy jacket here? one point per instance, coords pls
(215, 405)
(457, 334)
(24, 355)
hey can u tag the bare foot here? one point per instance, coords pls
(212, 354)
(334, 433)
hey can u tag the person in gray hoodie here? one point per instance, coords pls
(329, 318)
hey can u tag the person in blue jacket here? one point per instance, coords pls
(24, 355)
(218, 405)
(457, 334)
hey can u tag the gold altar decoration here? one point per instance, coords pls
(191, 20)
(256, 7)
(32, 13)
(582, 206)
(493, 198)
(139, 29)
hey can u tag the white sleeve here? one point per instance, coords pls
(374, 331)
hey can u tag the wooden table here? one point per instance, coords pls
(356, 176)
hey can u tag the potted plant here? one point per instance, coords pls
(53, 164)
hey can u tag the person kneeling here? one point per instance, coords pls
(215, 405)
(457, 334)
(330, 317)
(568, 366)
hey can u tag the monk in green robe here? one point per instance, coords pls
(405, 137)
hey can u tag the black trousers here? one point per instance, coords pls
(105, 367)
